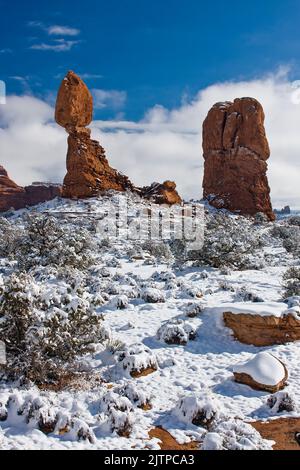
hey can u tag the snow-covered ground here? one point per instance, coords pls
(142, 294)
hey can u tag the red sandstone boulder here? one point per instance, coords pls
(235, 152)
(263, 330)
(74, 105)
(162, 193)
(88, 171)
(263, 372)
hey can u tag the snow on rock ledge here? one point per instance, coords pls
(263, 372)
(261, 323)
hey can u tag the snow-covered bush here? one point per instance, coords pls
(135, 394)
(49, 242)
(291, 282)
(193, 309)
(176, 332)
(234, 434)
(152, 295)
(230, 241)
(188, 290)
(119, 411)
(281, 401)
(10, 236)
(137, 360)
(290, 236)
(202, 409)
(40, 412)
(295, 220)
(159, 250)
(45, 331)
(245, 295)
(121, 302)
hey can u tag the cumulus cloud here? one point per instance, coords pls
(113, 99)
(165, 144)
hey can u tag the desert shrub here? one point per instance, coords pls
(245, 295)
(193, 309)
(176, 332)
(136, 359)
(135, 395)
(10, 235)
(290, 236)
(234, 434)
(201, 410)
(159, 250)
(119, 411)
(229, 242)
(153, 296)
(291, 282)
(295, 220)
(281, 401)
(49, 242)
(45, 331)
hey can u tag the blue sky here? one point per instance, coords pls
(155, 68)
(140, 52)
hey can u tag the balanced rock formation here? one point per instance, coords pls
(162, 193)
(236, 151)
(17, 197)
(263, 372)
(88, 171)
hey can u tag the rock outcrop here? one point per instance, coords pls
(264, 330)
(162, 193)
(88, 171)
(263, 372)
(236, 151)
(17, 197)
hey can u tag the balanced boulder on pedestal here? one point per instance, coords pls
(88, 171)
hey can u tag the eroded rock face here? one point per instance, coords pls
(17, 197)
(263, 330)
(88, 171)
(164, 193)
(235, 152)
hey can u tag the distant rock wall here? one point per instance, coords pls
(17, 197)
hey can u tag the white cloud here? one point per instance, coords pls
(57, 30)
(59, 45)
(164, 144)
(6, 51)
(113, 99)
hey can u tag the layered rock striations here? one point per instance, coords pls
(236, 151)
